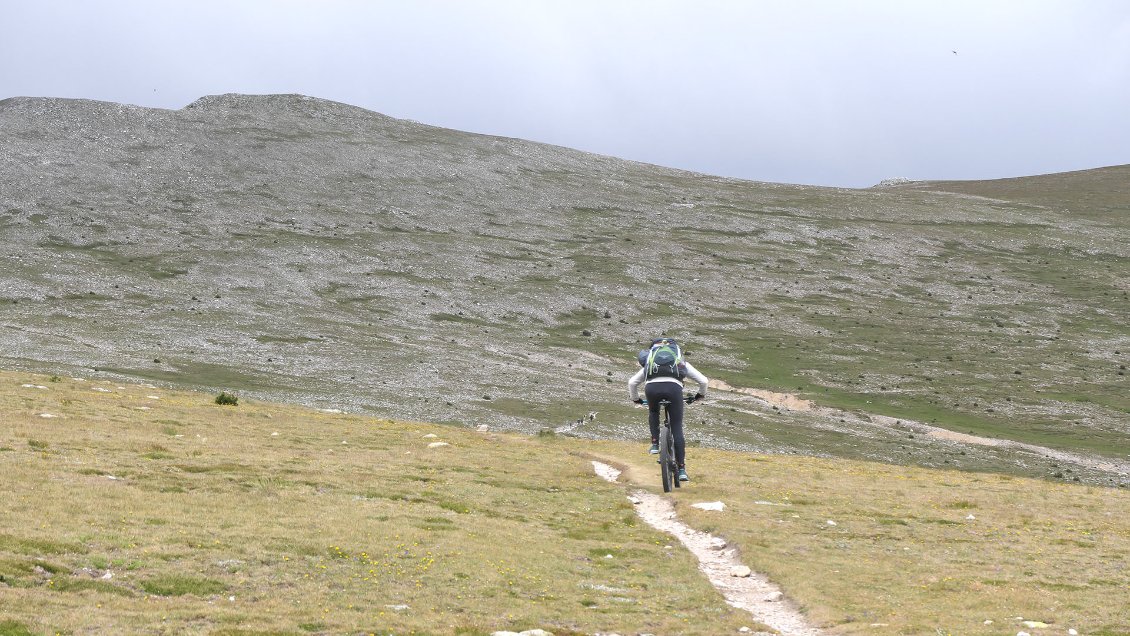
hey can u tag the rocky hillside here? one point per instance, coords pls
(298, 249)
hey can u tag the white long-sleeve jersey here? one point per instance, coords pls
(692, 373)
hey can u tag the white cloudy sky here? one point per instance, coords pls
(799, 91)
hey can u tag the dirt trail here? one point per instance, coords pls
(795, 403)
(753, 593)
(780, 400)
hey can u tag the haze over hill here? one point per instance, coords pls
(303, 250)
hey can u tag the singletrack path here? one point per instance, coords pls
(753, 593)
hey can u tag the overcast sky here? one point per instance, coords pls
(816, 92)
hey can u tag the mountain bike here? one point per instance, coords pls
(668, 467)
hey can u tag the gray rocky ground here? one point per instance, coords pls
(290, 248)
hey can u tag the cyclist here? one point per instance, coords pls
(665, 382)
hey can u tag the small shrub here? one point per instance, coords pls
(227, 399)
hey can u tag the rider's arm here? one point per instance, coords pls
(697, 376)
(634, 385)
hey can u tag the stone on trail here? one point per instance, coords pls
(438, 444)
(709, 505)
(741, 571)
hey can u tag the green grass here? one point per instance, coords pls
(15, 628)
(298, 532)
(180, 585)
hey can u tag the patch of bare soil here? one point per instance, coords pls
(742, 588)
(780, 400)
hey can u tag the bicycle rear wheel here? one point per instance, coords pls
(674, 470)
(667, 457)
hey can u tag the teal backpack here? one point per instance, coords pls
(664, 360)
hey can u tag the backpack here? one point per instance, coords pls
(665, 360)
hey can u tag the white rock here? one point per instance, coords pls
(483, 428)
(344, 442)
(609, 556)
(970, 518)
(744, 630)
(635, 500)
(832, 523)
(275, 434)
(111, 477)
(431, 436)
(535, 632)
(1035, 624)
(1023, 634)
(47, 415)
(101, 390)
(717, 543)
(1072, 632)
(504, 633)
(767, 503)
(330, 410)
(740, 571)
(709, 505)
(108, 575)
(231, 599)
(438, 444)
(153, 397)
(143, 408)
(775, 597)
(397, 608)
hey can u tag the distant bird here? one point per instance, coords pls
(955, 52)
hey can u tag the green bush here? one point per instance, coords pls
(227, 399)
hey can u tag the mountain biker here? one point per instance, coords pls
(666, 384)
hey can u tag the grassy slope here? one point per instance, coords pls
(212, 523)
(299, 250)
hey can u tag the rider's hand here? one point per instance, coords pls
(691, 399)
